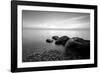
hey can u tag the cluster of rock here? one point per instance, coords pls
(49, 55)
(75, 48)
(76, 45)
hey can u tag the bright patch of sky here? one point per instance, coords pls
(55, 20)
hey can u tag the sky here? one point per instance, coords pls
(55, 20)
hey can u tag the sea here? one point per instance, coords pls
(34, 40)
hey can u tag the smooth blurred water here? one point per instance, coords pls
(35, 40)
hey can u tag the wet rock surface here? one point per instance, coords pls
(62, 40)
(79, 46)
(49, 41)
(55, 37)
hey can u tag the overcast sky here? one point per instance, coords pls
(55, 20)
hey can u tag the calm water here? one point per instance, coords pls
(35, 40)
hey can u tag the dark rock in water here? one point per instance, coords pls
(85, 42)
(78, 39)
(55, 37)
(49, 41)
(71, 44)
(62, 40)
(79, 46)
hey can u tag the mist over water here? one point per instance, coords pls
(35, 40)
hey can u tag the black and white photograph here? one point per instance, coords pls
(52, 36)
(49, 36)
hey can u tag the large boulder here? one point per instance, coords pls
(79, 46)
(85, 42)
(77, 39)
(62, 40)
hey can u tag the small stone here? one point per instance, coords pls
(49, 41)
(55, 37)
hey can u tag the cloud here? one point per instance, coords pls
(55, 20)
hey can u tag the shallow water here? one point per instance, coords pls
(35, 40)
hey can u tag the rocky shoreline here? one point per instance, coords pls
(75, 44)
(75, 48)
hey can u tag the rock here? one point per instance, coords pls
(62, 40)
(84, 42)
(78, 39)
(49, 41)
(79, 46)
(55, 37)
(52, 55)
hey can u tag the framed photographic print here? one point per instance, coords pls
(51, 36)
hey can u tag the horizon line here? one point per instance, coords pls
(58, 28)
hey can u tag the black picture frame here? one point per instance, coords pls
(14, 33)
